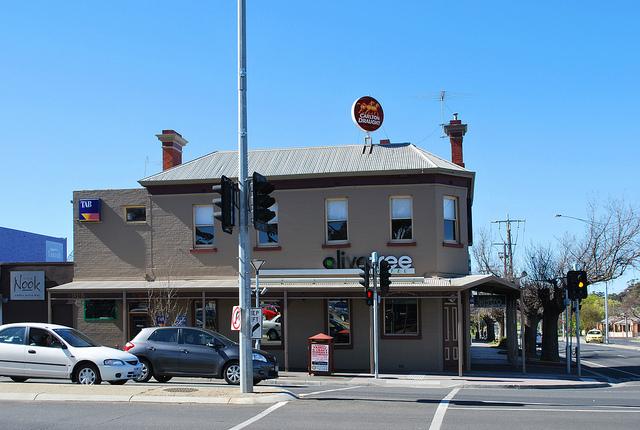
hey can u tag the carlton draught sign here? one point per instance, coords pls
(367, 114)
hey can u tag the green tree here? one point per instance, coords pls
(591, 312)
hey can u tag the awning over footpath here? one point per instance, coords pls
(484, 283)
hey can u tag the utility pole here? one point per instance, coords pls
(508, 246)
(244, 276)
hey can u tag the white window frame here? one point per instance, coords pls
(195, 226)
(345, 219)
(455, 220)
(392, 218)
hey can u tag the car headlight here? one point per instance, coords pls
(113, 362)
(258, 357)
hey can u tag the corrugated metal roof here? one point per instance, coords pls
(310, 161)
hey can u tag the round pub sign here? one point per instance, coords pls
(367, 114)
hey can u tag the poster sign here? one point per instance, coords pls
(89, 210)
(181, 321)
(235, 318)
(161, 321)
(256, 323)
(319, 357)
(367, 114)
(27, 285)
(490, 301)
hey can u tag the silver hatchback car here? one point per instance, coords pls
(165, 352)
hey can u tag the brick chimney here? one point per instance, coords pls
(172, 143)
(456, 130)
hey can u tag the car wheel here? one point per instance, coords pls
(18, 378)
(273, 335)
(163, 378)
(232, 373)
(587, 341)
(88, 374)
(119, 382)
(147, 370)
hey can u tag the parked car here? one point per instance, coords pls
(39, 350)
(272, 328)
(339, 331)
(165, 352)
(270, 311)
(594, 336)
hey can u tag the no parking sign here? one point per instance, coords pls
(235, 318)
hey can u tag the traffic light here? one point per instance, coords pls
(262, 201)
(577, 284)
(385, 277)
(369, 296)
(364, 274)
(227, 204)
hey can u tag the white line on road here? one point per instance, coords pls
(328, 391)
(259, 416)
(442, 409)
(591, 363)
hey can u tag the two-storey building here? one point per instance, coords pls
(155, 255)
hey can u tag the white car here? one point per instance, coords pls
(272, 328)
(39, 350)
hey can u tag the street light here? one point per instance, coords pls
(257, 264)
(606, 284)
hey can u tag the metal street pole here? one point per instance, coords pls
(606, 284)
(244, 276)
(606, 312)
(578, 337)
(257, 264)
(374, 269)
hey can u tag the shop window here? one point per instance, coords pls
(209, 320)
(336, 220)
(270, 237)
(203, 226)
(100, 310)
(450, 219)
(400, 316)
(134, 214)
(272, 323)
(339, 321)
(401, 219)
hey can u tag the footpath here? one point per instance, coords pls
(489, 369)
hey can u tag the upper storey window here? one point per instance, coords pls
(450, 219)
(203, 226)
(401, 219)
(337, 220)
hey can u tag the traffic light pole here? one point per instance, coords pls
(374, 269)
(244, 276)
(578, 337)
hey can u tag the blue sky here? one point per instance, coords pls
(552, 89)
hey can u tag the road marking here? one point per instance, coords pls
(602, 410)
(436, 423)
(259, 416)
(590, 363)
(328, 391)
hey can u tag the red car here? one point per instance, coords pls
(270, 311)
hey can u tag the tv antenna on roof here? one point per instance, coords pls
(441, 96)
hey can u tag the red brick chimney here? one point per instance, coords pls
(456, 130)
(172, 143)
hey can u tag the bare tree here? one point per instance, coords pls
(164, 304)
(611, 243)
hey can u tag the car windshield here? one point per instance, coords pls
(75, 338)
